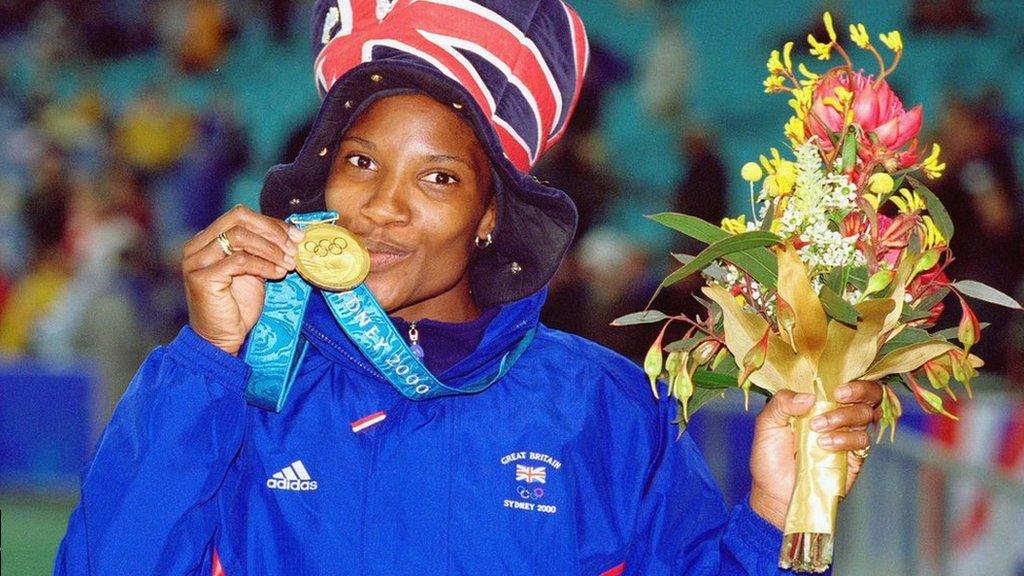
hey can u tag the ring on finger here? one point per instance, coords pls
(225, 244)
(862, 453)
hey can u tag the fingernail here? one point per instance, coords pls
(825, 441)
(289, 261)
(291, 248)
(818, 422)
(295, 233)
(804, 398)
(843, 392)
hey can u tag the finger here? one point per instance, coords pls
(845, 440)
(238, 264)
(275, 230)
(848, 416)
(241, 239)
(868, 392)
(783, 405)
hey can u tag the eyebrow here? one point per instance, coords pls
(448, 158)
(362, 141)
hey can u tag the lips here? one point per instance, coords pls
(384, 255)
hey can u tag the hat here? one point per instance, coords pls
(512, 69)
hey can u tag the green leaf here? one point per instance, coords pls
(707, 379)
(645, 317)
(838, 308)
(838, 278)
(684, 345)
(739, 242)
(935, 209)
(760, 263)
(909, 314)
(907, 337)
(769, 217)
(986, 293)
(859, 277)
(849, 152)
(929, 302)
(950, 333)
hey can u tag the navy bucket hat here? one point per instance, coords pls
(512, 69)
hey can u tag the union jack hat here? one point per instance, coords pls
(512, 69)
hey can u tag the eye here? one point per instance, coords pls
(360, 161)
(442, 178)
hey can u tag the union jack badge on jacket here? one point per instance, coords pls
(512, 69)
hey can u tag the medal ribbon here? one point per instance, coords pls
(276, 345)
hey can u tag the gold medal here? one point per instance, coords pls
(332, 258)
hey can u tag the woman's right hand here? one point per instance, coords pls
(225, 292)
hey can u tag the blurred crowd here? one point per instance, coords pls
(97, 196)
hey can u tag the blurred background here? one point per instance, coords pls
(128, 125)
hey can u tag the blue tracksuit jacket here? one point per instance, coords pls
(565, 466)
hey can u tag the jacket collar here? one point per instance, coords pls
(511, 324)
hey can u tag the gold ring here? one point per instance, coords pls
(225, 245)
(862, 453)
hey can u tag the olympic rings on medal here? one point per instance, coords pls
(325, 246)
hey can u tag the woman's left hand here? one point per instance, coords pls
(773, 455)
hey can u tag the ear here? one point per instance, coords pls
(489, 220)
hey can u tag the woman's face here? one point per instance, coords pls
(412, 181)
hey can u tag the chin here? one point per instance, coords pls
(384, 290)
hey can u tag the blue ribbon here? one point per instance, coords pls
(276, 345)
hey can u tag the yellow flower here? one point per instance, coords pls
(880, 183)
(735, 225)
(827, 17)
(775, 63)
(787, 56)
(785, 177)
(932, 235)
(795, 131)
(810, 77)
(931, 165)
(859, 35)
(804, 97)
(908, 201)
(822, 51)
(751, 172)
(774, 83)
(872, 199)
(893, 41)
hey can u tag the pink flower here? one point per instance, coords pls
(875, 109)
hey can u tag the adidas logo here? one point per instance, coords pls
(292, 477)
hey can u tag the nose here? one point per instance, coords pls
(387, 204)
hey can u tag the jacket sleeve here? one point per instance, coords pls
(684, 526)
(148, 501)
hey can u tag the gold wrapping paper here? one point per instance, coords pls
(820, 479)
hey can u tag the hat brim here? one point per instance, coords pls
(535, 223)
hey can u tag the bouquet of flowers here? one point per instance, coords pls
(838, 276)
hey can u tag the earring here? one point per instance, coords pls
(482, 243)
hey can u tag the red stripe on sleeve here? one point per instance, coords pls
(614, 571)
(218, 570)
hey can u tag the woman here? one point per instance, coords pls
(544, 454)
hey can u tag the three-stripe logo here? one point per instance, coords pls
(292, 477)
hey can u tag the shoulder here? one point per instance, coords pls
(589, 367)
